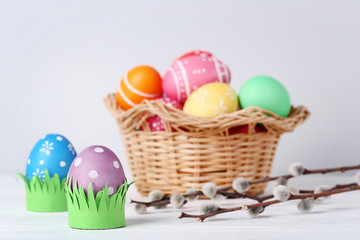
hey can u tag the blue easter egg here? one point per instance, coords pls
(53, 152)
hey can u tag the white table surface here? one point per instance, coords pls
(337, 218)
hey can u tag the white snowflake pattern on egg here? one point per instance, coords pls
(100, 166)
(51, 152)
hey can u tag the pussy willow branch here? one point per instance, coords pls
(337, 186)
(267, 197)
(166, 199)
(335, 190)
(306, 172)
(223, 190)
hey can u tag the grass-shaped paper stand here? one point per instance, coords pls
(46, 195)
(100, 212)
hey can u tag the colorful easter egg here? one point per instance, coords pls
(244, 129)
(155, 122)
(266, 93)
(53, 152)
(212, 100)
(139, 83)
(191, 71)
(195, 53)
(100, 166)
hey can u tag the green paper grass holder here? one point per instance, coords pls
(46, 195)
(100, 212)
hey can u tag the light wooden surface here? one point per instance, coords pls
(337, 218)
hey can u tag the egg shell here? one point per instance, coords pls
(245, 129)
(155, 122)
(191, 71)
(212, 100)
(100, 166)
(53, 152)
(139, 83)
(266, 93)
(196, 53)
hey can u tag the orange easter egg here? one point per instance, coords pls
(139, 83)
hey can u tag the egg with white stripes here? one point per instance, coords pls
(54, 153)
(191, 71)
(99, 166)
(139, 83)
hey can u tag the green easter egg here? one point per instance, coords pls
(267, 93)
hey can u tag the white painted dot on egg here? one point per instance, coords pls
(116, 164)
(62, 164)
(29, 161)
(93, 174)
(110, 190)
(98, 150)
(203, 70)
(59, 138)
(199, 71)
(194, 71)
(154, 124)
(77, 162)
(41, 162)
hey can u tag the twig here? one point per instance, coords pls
(336, 190)
(337, 186)
(224, 190)
(306, 172)
(164, 201)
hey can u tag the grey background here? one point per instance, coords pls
(59, 59)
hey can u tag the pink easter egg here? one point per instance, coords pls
(244, 129)
(98, 165)
(195, 53)
(155, 122)
(191, 71)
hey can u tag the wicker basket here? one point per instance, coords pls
(194, 150)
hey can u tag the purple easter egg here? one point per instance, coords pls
(98, 165)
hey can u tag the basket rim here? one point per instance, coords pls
(136, 116)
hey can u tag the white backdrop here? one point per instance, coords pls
(59, 59)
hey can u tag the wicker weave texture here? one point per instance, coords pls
(195, 150)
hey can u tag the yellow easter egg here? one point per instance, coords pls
(211, 100)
